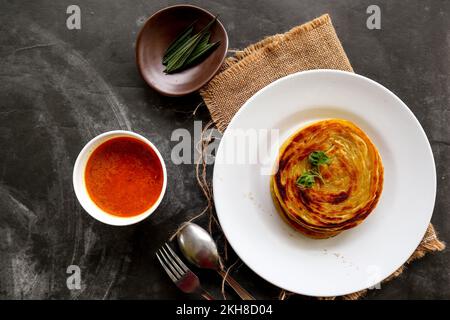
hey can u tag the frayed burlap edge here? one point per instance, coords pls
(429, 243)
(271, 42)
(238, 63)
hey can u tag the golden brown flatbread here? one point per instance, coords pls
(352, 181)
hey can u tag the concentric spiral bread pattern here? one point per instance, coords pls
(352, 181)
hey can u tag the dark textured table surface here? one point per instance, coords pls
(59, 88)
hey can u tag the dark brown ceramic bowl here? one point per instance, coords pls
(158, 33)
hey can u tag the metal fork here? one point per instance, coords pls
(180, 274)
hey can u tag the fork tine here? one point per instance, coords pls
(181, 263)
(170, 274)
(170, 264)
(180, 271)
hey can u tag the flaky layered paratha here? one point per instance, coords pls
(347, 189)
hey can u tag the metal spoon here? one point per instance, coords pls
(200, 249)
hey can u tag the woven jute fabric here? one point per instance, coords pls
(313, 45)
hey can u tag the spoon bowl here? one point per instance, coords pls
(198, 247)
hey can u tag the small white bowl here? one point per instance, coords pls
(80, 186)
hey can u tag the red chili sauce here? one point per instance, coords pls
(124, 176)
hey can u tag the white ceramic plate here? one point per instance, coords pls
(358, 258)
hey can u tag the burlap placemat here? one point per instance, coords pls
(313, 45)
